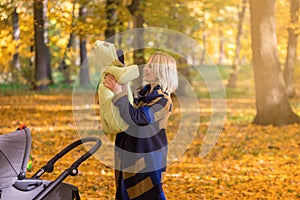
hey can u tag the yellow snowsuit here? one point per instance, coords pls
(111, 121)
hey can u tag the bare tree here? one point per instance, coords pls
(271, 98)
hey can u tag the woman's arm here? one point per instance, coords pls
(157, 109)
(142, 116)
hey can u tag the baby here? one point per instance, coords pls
(111, 121)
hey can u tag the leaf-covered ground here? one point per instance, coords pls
(248, 161)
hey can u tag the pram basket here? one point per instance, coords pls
(14, 154)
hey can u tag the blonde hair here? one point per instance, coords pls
(164, 68)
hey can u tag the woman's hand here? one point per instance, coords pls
(111, 83)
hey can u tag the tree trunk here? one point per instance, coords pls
(138, 54)
(271, 99)
(46, 37)
(221, 47)
(236, 60)
(84, 70)
(291, 49)
(64, 66)
(42, 53)
(16, 36)
(111, 17)
(203, 40)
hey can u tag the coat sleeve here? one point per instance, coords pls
(144, 115)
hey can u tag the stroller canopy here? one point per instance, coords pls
(14, 154)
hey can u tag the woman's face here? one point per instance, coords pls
(148, 74)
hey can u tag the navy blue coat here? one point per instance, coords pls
(141, 150)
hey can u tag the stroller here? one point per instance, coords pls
(14, 155)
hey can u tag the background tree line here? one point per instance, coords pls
(44, 42)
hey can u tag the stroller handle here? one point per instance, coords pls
(49, 167)
(70, 171)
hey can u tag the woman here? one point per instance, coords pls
(141, 151)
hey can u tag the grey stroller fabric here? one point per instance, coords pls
(28, 189)
(14, 155)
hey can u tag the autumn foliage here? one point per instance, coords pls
(248, 161)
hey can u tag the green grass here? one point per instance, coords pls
(19, 89)
(245, 83)
(13, 87)
(244, 89)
